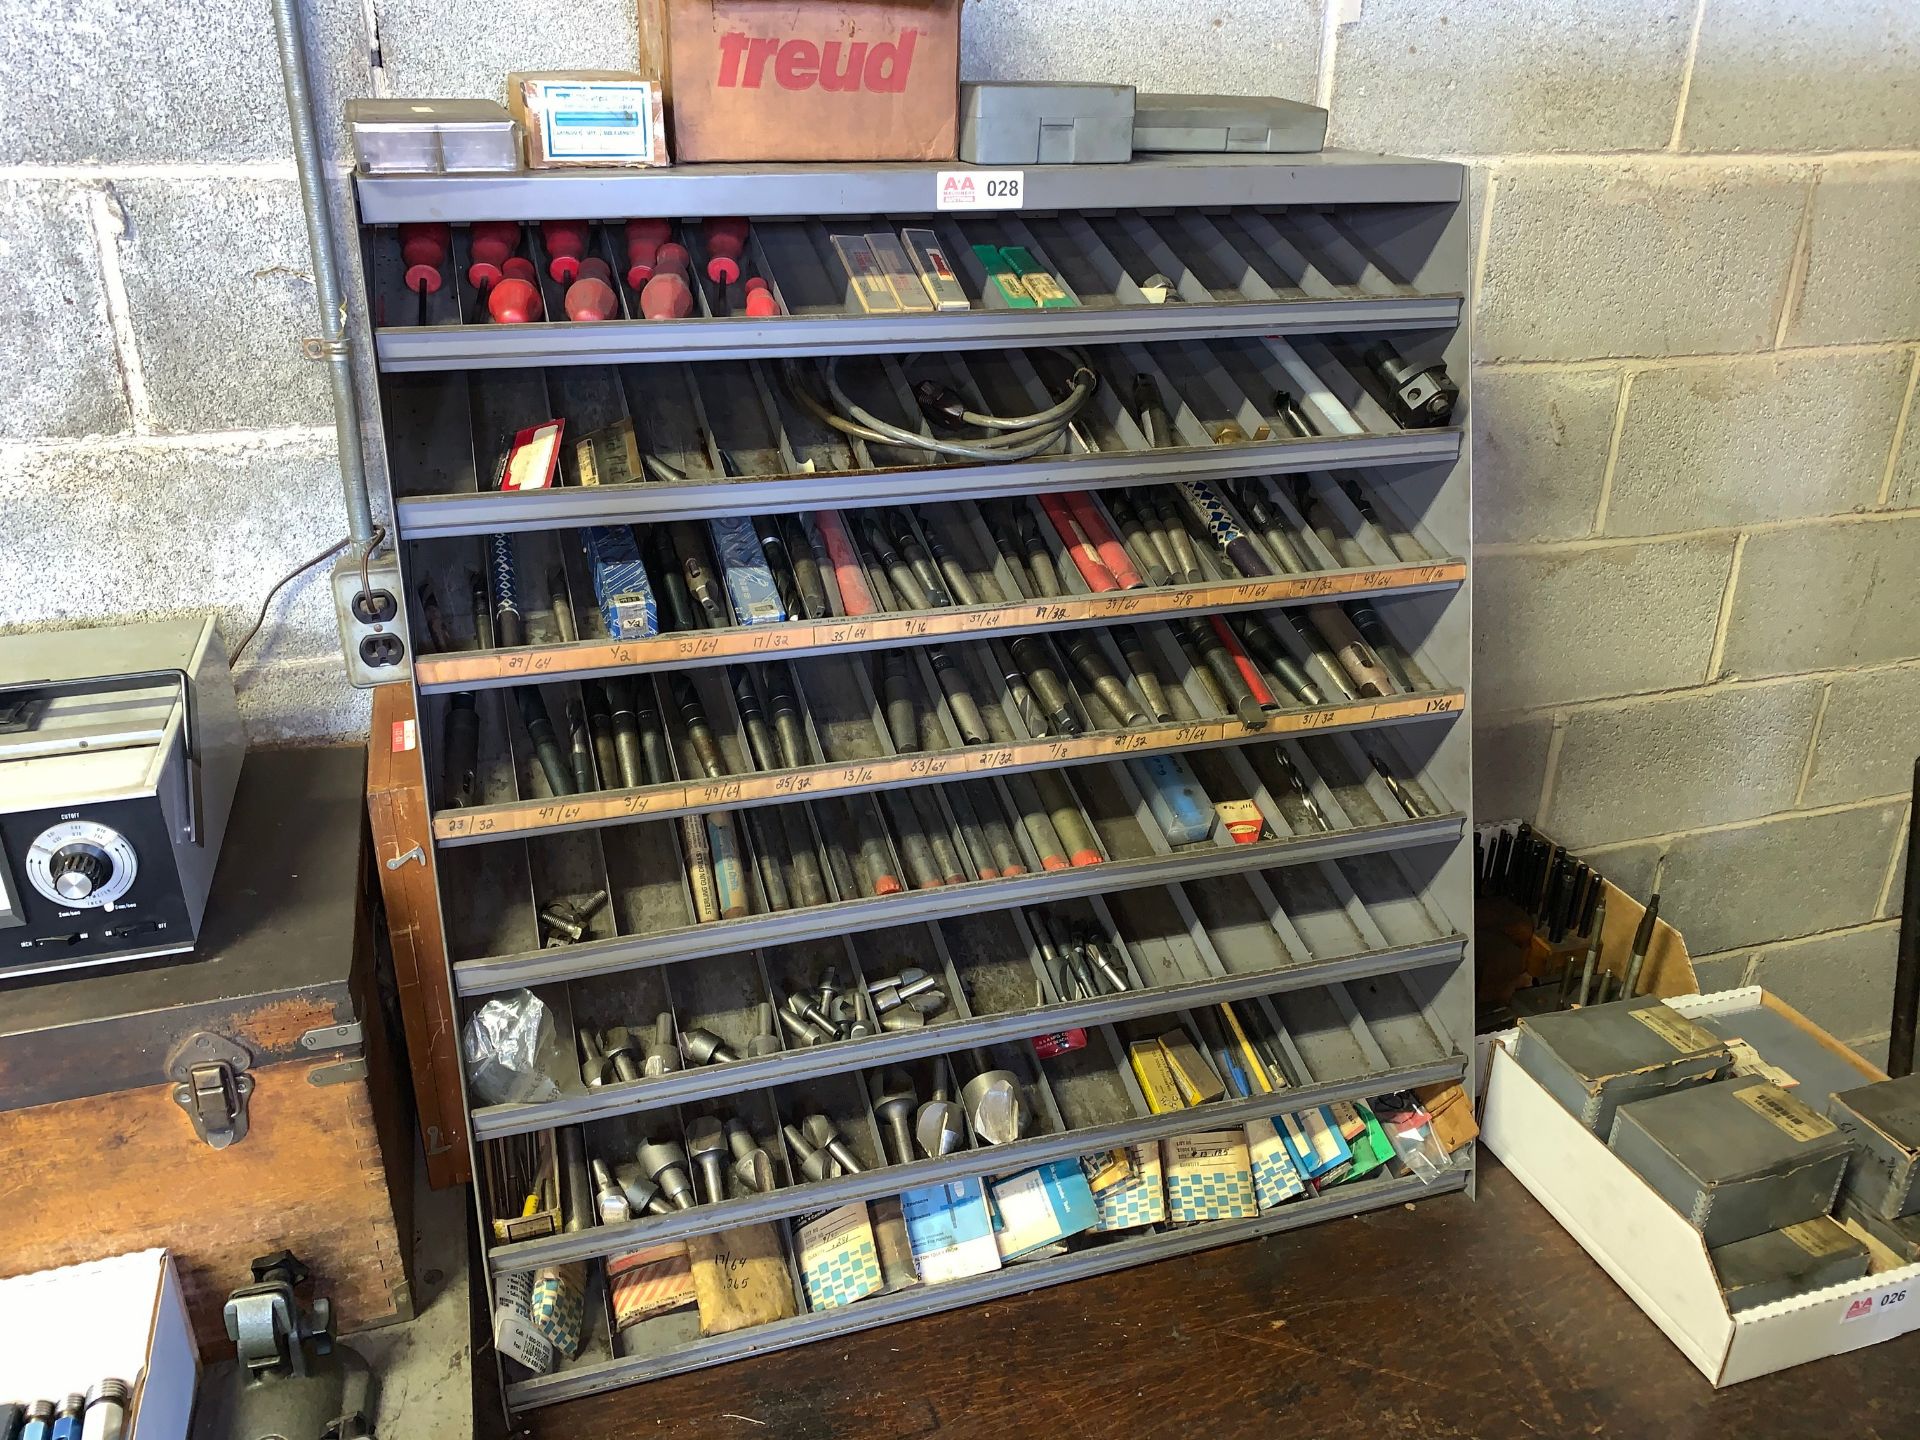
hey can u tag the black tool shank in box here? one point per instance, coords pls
(1883, 1122)
(1595, 1059)
(1796, 1260)
(1736, 1158)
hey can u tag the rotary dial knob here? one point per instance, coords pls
(77, 871)
(82, 864)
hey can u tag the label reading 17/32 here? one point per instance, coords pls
(980, 190)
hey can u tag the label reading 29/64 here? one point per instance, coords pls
(980, 189)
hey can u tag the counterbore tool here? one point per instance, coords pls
(707, 1144)
(665, 1163)
(995, 1106)
(752, 1166)
(894, 1109)
(822, 1132)
(940, 1126)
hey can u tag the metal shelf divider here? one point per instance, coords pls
(1341, 935)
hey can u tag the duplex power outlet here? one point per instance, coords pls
(373, 631)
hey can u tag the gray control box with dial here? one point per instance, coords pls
(120, 748)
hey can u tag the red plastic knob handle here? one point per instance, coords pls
(667, 296)
(424, 277)
(644, 239)
(723, 258)
(492, 241)
(514, 302)
(757, 282)
(483, 273)
(672, 258)
(566, 242)
(425, 242)
(761, 303)
(594, 268)
(590, 299)
(519, 267)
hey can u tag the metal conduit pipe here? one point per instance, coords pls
(361, 529)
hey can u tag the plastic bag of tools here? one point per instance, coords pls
(1410, 1128)
(509, 1048)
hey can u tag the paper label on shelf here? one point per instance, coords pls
(980, 190)
(514, 1334)
(406, 735)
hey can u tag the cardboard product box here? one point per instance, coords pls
(606, 119)
(847, 80)
(1651, 1251)
(1883, 1122)
(1796, 1260)
(1736, 1158)
(1594, 1060)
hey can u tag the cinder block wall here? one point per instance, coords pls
(1697, 323)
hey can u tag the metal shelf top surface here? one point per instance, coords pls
(1332, 177)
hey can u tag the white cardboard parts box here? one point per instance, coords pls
(62, 1330)
(1655, 1255)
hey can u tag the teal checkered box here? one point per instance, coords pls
(558, 1306)
(1276, 1180)
(1209, 1177)
(1141, 1199)
(838, 1260)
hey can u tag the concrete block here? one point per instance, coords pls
(1863, 269)
(1680, 762)
(57, 349)
(1731, 443)
(1896, 892)
(428, 48)
(1790, 875)
(301, 701)
(100, 82)
(1789, 75)
(1824, 597)
(1509, 764)
(220, 284)
(1721, 972)
(1581, 624)
(1586, 262)
(1868, 737)
(173, 529)
(1540, 441)
(1842, 982)
(1904, 492)
(1496, 79)
(1267, 49)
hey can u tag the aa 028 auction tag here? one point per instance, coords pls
(980, 190)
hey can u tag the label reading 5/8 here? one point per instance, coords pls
(980, 190)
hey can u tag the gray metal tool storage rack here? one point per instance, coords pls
(1342, 931)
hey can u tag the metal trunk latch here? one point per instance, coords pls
(210, 1083)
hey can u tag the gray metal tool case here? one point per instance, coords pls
(1600, 1057)
(1022, 123)
(1215, 124)
(1883, 1122)
(1736, 1158)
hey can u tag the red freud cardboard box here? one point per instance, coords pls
(813, 79)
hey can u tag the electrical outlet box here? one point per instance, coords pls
(372, 634)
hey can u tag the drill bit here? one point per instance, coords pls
(546, 743)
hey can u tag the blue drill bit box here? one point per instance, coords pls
(620, 583)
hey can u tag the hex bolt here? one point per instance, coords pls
(663, 1054)
(707, 1143)
(609, 1200)
(704, 1047)
(766, 1042)
(821, 1131)
(813, 1163)
(593, 1064)
(995, 1105)
(588, 908)
(894, 1109)
(561, 917)
(665, 1164)
(623, 1053)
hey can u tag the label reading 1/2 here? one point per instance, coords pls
(980, 190)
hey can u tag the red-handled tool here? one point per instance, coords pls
(644, 239)
(423, 246)
(514, 301)
(726, 238)
(667, 296)
(566, 242)
(589, 298)
(594, 268)
(519, 267)
(760, 301)
(1262, 696)
(1094, 526)
(1080, 548)
(489, 243)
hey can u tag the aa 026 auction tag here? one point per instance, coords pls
(980, 190)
